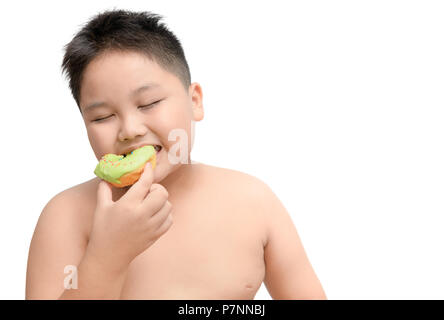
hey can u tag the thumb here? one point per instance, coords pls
(104, 193)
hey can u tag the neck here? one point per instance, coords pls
(180, 178)
(177, 181)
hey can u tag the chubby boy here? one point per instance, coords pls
(184, 230)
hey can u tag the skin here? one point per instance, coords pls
(111, 78)
(230, 231)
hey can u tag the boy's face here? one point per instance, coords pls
(111, 82)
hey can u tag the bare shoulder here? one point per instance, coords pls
(245, 185)
(250, 194)
(70, 198)
(81, 191)
(289, 273)
(76, 202)
(70, 209)
(59, 240)
(241, 178)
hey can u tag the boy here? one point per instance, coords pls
(184, 230)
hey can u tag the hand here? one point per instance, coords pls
(125, 228)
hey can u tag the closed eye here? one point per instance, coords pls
(100, 119)
(148, 106)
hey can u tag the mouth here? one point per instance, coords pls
(157, 147)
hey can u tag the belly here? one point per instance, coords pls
(198, 262)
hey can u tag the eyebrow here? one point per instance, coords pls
(145, 87)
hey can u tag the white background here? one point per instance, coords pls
(336, 105)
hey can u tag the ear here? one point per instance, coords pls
(195, 92)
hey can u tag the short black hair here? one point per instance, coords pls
(122, 30)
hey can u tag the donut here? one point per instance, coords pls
(124, 170)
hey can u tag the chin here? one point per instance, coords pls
(157, 178)
(160, 173)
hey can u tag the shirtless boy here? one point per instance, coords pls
(184, 230)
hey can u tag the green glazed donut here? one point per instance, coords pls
(121, 170)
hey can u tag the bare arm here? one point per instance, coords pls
(96, 281)
(58, 246)
(120, 231)
(289, 274)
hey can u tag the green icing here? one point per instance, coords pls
(111, 167)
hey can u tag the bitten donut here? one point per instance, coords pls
(125, 170)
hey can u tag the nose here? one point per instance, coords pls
(131, 127)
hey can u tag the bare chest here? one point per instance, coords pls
(212, 251)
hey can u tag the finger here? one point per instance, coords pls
(104, 193)
(155, 186)
(161, 214)
(154, 201)
(165, 226)
(139, 190)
